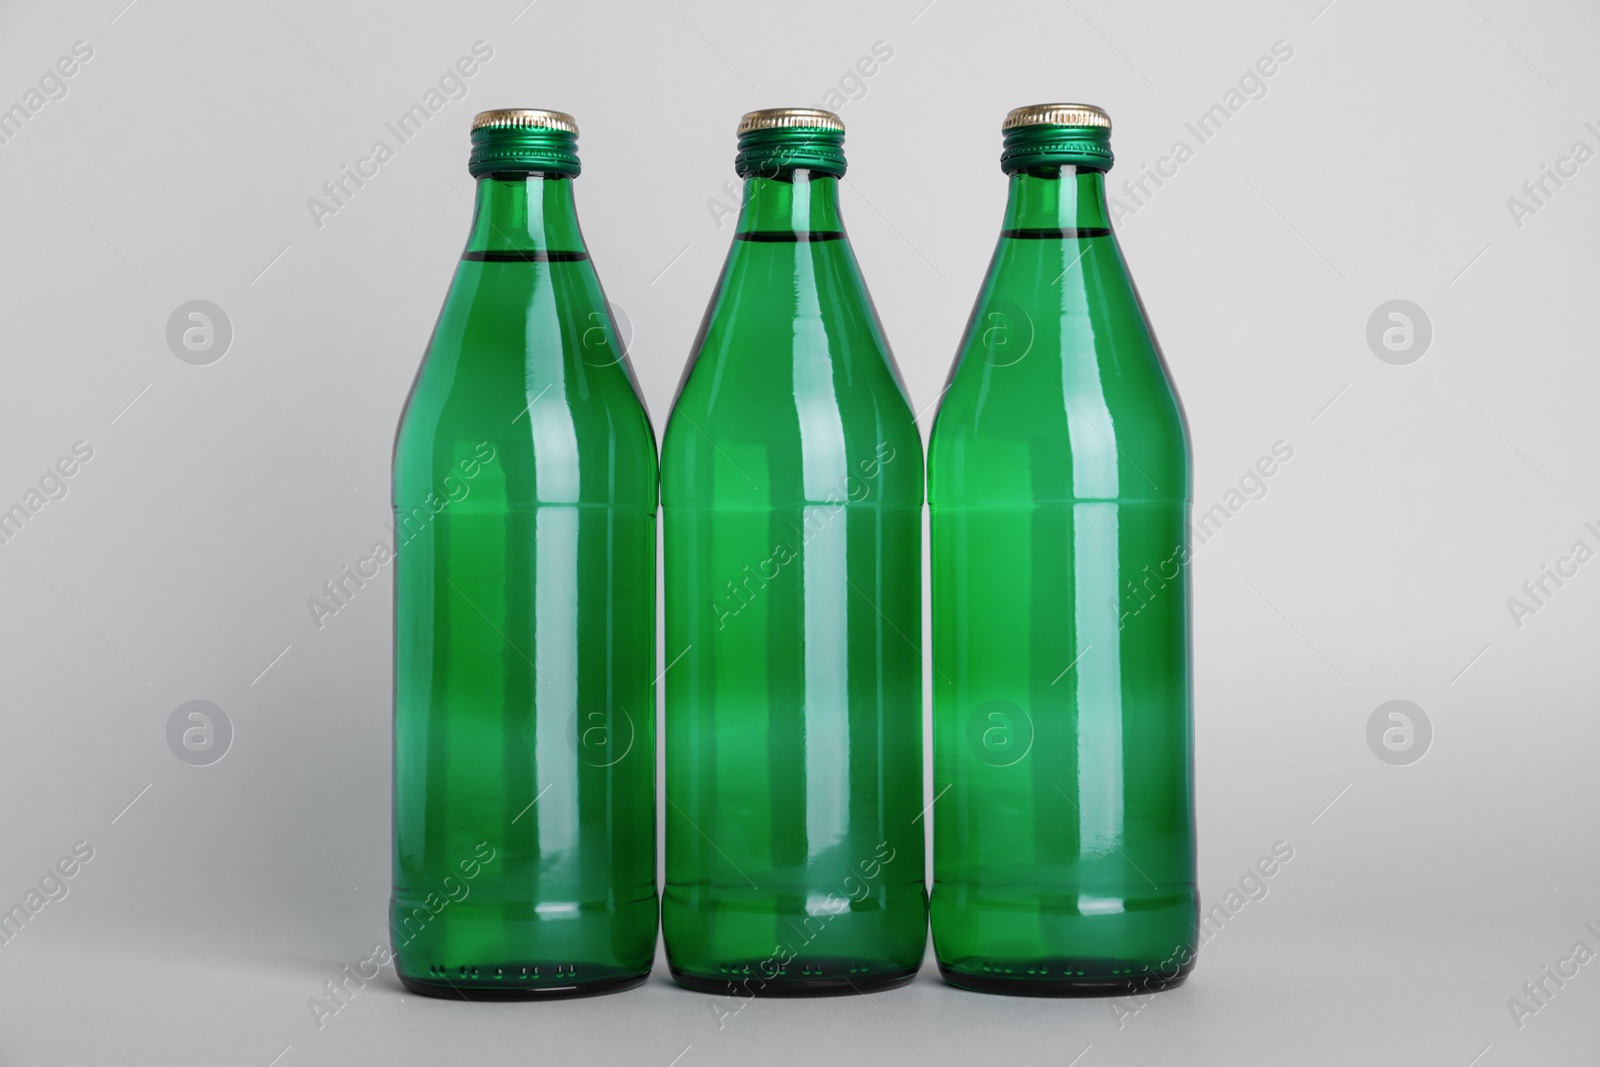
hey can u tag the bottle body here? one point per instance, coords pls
(525, 499)
(791, 501)
(1059, 504)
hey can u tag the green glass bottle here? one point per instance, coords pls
(525, 498)
(791, 503)
(1058, 492)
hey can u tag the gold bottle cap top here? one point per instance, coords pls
(527, 116)
(777, 118)
(1057, 115)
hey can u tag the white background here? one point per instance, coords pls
(1377, 166)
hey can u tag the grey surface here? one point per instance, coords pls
(1377, 567)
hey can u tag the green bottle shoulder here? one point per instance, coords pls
(776, 425)
(1056, 404)
(791, 392)
(524, 362)
(1060, 390)
(557, 454)
(794, 450)
(1000, 441)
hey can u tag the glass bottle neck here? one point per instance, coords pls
(1068, 199)
(794, 202)
(523, 213)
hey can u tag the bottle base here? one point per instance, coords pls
(1061, 978)
(470, 989)
(834, 980)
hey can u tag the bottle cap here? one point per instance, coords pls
(790, 138)
(1054, 135)
(777, 118)
(524, 139)
(1057, 115)
(526, 116)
